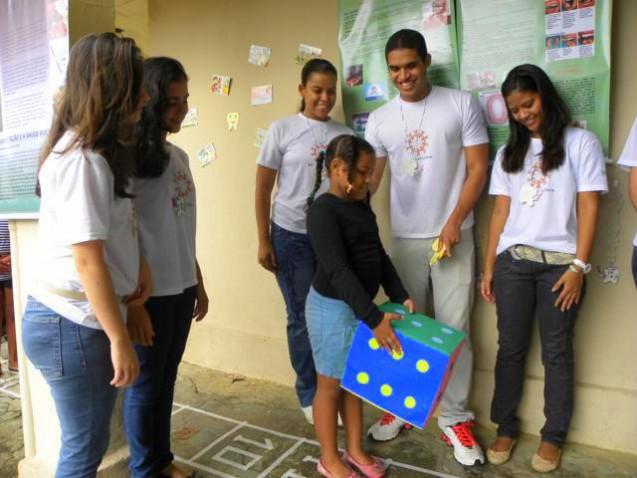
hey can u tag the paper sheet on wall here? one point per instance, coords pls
(191, 118)
(570, 30)
(260, 137)
(306, 53)
(233, 120)
(207, 154)
(220, 85)
(261, 95)
(259, 55)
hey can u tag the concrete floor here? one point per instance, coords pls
(229, 426)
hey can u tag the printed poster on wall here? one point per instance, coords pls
(474, 44)
(569, 39)
(34, 49)
(364, 28)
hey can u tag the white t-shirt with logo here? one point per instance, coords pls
(543, 207)
(79, 205)
(291, 147)
(167, 214)
(425, 143)
(628, 157)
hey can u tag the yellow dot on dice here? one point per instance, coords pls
(397, 354)
(373, 344)
(410, 402)
(386, 390)
(362, 378)
(422, 366)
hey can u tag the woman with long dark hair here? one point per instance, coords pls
(165, 202)
(73, 329)
(546, 181)
(288, 157)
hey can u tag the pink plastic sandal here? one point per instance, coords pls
(320, 467)
(373, 470)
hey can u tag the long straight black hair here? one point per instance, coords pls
(531, 78)
(152, 156)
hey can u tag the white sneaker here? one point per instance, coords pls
(309, 416)
(307, 412)
(387, 428)
(466, 449)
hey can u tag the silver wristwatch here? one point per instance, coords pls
(584, 267)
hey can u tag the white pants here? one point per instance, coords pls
(453, 292)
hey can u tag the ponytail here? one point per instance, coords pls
(315, 65)
(320, 160)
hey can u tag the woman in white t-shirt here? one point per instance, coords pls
(288, 158)
(74, 329)
(165, 203)
(628, 159)
(546, 181)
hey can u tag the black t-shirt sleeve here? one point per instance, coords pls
(392, 285)
(329, 247)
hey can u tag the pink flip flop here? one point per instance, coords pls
(320, 467)
(373, 470)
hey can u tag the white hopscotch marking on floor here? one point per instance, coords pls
(298, 441)
(6, 384)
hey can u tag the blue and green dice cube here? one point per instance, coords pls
(409, 384)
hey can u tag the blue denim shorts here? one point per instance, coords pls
(331, 325)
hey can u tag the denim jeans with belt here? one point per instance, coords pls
(295, 271)
(148, 402)
(522, 291)
(76, 363)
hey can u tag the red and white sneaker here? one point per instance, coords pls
(466, 449)
(387, 428)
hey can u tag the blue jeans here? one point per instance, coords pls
(148, 402)
(295, 271)
(76, 363)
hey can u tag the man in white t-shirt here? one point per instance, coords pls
(436, 143)
(628, 159)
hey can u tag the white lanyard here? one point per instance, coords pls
(402, 117)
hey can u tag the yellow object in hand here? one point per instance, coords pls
(440, 252)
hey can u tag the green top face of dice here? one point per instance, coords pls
(425, 330)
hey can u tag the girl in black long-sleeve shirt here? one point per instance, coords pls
(351, 266)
